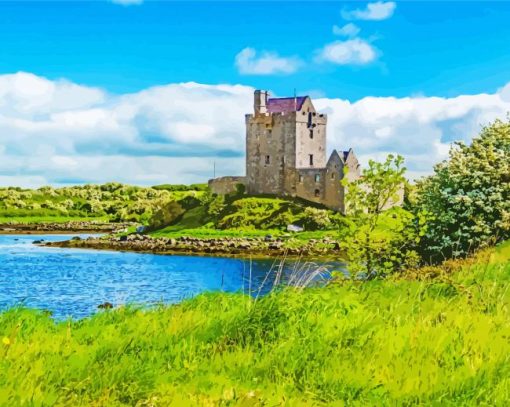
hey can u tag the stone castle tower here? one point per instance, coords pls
(286, 153)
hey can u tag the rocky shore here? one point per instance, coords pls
(64, 227)
(235, 247)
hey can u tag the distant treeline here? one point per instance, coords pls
(112, 201)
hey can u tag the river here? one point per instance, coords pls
(73, 282)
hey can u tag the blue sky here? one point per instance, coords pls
(156, 91)
(431, 48)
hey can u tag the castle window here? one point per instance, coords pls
(317, 193)
(311, 158)
(309, 120)
(300, 178)
(311, 133)
(332, 175)
(317, 177)
(268, 160)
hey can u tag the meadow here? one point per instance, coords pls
(405, 340)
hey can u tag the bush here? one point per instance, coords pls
(468, 197)
(380, 241)
(165, 215)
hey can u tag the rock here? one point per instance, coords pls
(105, 305)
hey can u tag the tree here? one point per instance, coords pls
(468, 196)
(380, 238)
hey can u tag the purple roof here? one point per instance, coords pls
(284, 105)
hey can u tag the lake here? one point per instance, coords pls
(73, 282)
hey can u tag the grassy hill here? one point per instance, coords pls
(404, 341)
(170, 210)
(241, 215)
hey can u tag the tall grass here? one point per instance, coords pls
(395, 342)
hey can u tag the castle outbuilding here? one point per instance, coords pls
(286, 154)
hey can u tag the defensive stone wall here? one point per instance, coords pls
(225, 185)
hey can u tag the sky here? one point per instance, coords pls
(150, 92)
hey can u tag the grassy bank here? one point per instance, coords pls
(397, 342)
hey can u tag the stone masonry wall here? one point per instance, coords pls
(225, 185)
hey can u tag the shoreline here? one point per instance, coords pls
(61, 228)
(55, 232)
(219, 247)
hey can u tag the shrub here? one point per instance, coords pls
(165, 215)
(468, 197)
(380, 241)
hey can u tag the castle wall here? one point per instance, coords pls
(225, 185)
(311, 184)
(334, 190)
(310, 137)
(270, 157)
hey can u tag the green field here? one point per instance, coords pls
(403, 341)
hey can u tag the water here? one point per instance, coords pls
(73, 282)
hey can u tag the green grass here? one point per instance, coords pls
(206, 233)
(395, 342)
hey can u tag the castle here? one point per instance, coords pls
(286, 154)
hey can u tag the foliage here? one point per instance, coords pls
(165, 215)
(181, 187)
(216, 205)
(399, 342)
(468, 197)
(112, 201)
(273, 213)
(317, 219)
(380, 240)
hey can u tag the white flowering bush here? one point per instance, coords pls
(467, 200)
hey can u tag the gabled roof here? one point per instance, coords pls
(285, 105)
(342, 155)
(345, 154)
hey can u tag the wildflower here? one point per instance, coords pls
(6, 341)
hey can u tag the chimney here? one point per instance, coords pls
(260, 101)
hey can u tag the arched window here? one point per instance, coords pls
(317, 193)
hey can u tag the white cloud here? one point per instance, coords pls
(379, 10)
(174, 133)
(505, 92)
(350, 52)
(348, 30)
(248, 62)
(127, 2)
(420, 128)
